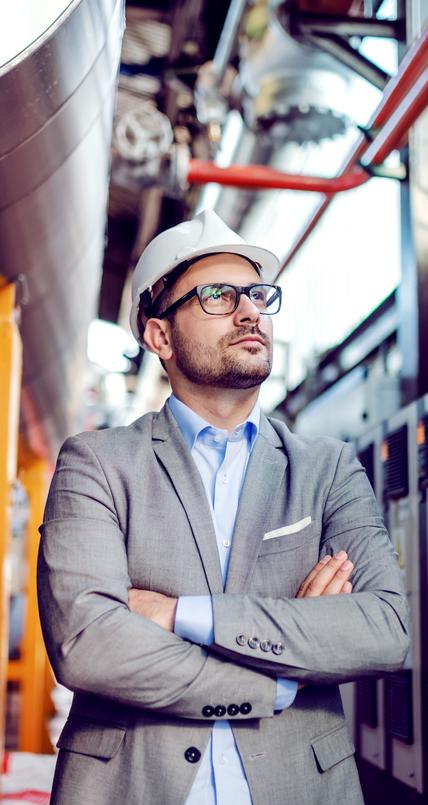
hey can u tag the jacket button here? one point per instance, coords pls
(220, 711)
(208, 711)
(278, 648)
(233, 710)
(245, 708)
(253, 642)
(192, 754)
(241, 639)
(266, 645)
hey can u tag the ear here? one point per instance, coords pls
(157, 338)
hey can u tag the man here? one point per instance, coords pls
(194, 571)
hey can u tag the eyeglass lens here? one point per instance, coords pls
(219, 299)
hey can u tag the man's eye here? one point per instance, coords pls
(214, 294)
(258, 295)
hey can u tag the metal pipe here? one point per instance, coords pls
(228, 36)
(412, 64)
(258, 177)
(346, 25)
(398, 124)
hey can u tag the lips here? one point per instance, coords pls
(246, 339)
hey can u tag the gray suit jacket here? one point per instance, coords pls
(127, 508)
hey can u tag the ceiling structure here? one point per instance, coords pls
(187, 68)
(185, 65)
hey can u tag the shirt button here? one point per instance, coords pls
(192, 754)
(223, 479)
(217, 438)
(226, 543)
(223, 759)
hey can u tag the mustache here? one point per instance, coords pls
(241, 332)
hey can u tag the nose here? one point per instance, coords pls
(246, 311)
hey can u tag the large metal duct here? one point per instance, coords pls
(56, 110)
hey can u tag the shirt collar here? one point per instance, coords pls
(192, 425)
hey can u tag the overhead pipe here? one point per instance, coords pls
(261, 177)
(257, 177)
(411, 66)
(405, 97)
(399, 123)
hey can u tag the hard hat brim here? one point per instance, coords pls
(268, 261)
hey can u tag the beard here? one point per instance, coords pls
(214, 366)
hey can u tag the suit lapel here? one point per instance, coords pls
(260, 491)
(174, 455)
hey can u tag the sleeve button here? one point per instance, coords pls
(208, 711)
(233, 710)
(266, 645)
(241, 639)
(220, 711)
(245, 708)
(253, 642)
(278, 648)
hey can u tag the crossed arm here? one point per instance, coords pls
(329, 577)
(98, 644)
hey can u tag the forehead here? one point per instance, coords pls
(224, 267)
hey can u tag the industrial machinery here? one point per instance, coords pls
(369, 693)
(403, 689)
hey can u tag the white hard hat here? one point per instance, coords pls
(206, 233)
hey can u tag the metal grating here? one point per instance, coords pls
(367, 702)
(399, 715)
(396, 472)
(366, 457)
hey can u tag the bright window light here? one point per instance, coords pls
(107, 344)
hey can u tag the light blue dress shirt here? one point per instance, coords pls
(222, 460)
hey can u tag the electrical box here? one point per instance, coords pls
(369, 693)
(402, 701)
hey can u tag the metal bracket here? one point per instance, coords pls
(368, 133)
(399, 173)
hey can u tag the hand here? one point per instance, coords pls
(154, 606)
(329, 577)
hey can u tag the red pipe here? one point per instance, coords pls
(412, 64)
(262, 177)
(399, 123)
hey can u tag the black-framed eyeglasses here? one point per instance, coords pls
(220, 299)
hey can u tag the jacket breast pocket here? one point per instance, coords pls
(91, 738)
(289, 541)
(332, 747)
(284, 561)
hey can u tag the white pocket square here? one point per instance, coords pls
(288, 529)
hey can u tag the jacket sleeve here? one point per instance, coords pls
(332, 638)
(94, 642)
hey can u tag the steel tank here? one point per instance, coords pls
(56, 109)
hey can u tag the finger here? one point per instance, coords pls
(327, 573)
(312, 574)
(339, 579)
(347, 587)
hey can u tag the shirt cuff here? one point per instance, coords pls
(286, 690)
(194, 619)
